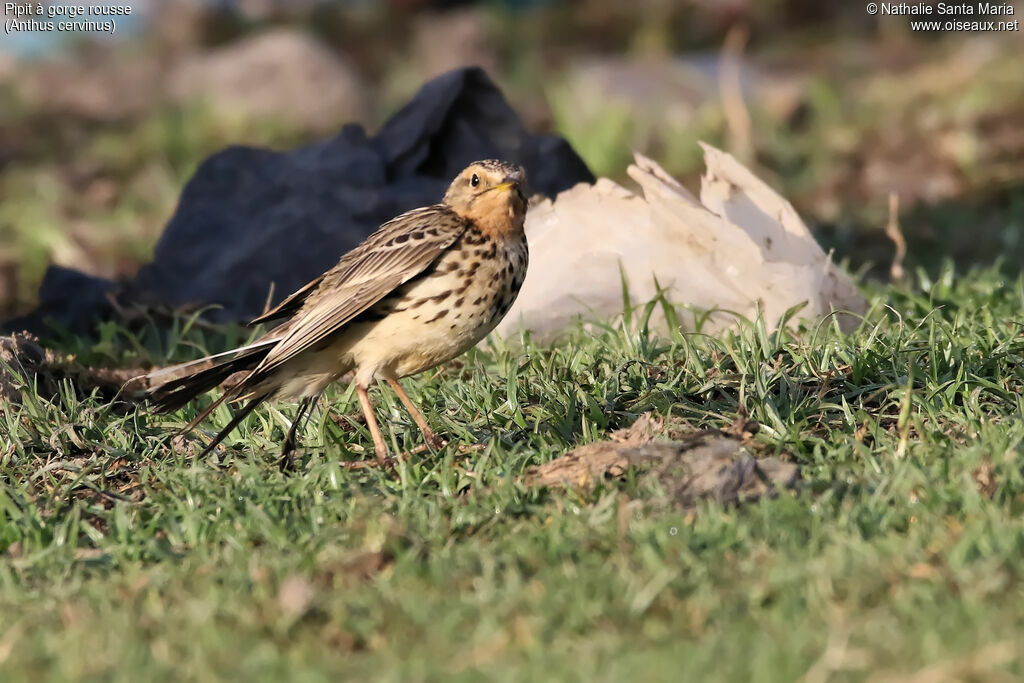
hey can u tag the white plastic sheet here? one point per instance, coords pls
(740, 248)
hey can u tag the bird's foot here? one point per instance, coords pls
(383, 459)
(287, 464)
(431, 439)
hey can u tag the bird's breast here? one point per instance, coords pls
(447, 309)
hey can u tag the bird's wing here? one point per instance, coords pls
(399, 251)
(291, 305)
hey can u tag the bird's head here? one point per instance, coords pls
(492, 194)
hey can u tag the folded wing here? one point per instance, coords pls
(399, 251)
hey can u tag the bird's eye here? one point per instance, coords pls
(475, 180)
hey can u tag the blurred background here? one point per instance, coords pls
(835, 108)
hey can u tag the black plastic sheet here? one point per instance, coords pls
(250, 217)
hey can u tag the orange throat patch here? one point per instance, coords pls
(499, 215)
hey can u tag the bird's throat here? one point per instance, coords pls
(500, 217)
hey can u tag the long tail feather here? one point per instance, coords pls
(179, 392)
(205, 374)
(262, 345)
(239, 416)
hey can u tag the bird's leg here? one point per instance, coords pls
(290, 440)
(371, 422)
(287, 462)
(313, 402)
(417, 416)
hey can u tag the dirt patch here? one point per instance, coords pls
(583, 467)
(705, 465)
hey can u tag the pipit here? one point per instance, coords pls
(422, 289)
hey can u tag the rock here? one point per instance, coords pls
(453, 39)
(716, 467)
(173, 28)
(70, 298)
(251, 217)
(280, 75)
(100, 86)
(660, 95)
(9, 267)
(583, 467)
(8, 67)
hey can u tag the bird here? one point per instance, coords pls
(419, 291)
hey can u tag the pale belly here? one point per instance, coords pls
(440, 317)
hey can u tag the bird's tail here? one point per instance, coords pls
(195, 378)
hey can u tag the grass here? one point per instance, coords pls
(122, 558)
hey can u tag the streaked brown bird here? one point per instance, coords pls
(422, 289)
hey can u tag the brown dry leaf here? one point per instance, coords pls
(365, 565)
(922, 570)
(282, 74)
(188, 445)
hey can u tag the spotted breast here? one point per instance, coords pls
(446, 310)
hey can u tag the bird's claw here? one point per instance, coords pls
(286, 464)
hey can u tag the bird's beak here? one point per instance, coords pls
(507, 185)
(511, 183)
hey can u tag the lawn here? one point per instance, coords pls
(900, 557)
